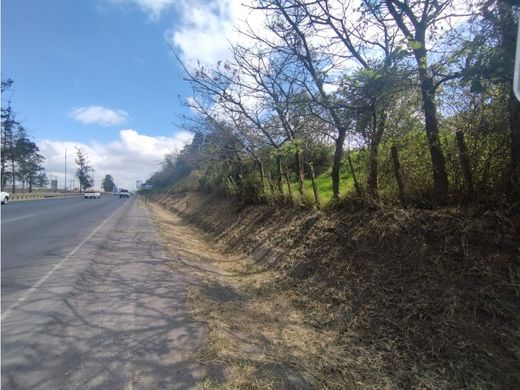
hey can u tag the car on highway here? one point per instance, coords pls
(4, 197)
(124, 193)
(92, 195)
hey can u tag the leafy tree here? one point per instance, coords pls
(20, 157)
(419, 22)
(84, 167)
(294, 31)
(108, 183)
(384, 75)
(490, 68)
(9, 126)
(41, 180)
(29, 160)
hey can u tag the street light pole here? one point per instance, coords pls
(65, 182)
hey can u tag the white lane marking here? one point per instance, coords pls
(29, 292)
(14, 219)
(46, 211)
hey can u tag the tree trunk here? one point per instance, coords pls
(2, 175)
(13, 176)
(336, 165)
(379, 128)
(440, 177)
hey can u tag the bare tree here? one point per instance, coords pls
(277, 77)
(233, 97)
(294, 29)
(367, 40)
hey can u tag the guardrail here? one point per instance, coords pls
(28, 196)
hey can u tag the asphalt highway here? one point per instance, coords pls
(88, 299)
(36, 234)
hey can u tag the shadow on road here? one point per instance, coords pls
(122, 324)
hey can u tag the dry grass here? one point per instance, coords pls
(256, 333)
(388, 298)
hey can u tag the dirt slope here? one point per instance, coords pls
(413, 298)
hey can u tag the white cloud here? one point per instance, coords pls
(203, 28)
(132, 157)
(100, 115)
(207, 27)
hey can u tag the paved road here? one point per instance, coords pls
(38, 233)
(88, 300)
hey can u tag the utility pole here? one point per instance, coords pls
(65, 182)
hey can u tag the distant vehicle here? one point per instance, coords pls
(92, 195)
(4, 197)
(124, 193)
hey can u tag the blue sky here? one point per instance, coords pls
(99, 74)
(65, 54)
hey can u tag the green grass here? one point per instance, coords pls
(324, 184)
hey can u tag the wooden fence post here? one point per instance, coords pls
(397, 173)
(464, 161)
(314, 186)
(280, 176)
(286, 174)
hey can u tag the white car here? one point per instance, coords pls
(4, 197)
(92, 195)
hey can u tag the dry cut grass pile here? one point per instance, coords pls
(361, 299)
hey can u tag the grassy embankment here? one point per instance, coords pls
(387, 298)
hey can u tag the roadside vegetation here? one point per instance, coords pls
(21, 161)
(84, 170)
(367, 157)
(382, 102)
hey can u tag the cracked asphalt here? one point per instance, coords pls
(111, 315)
